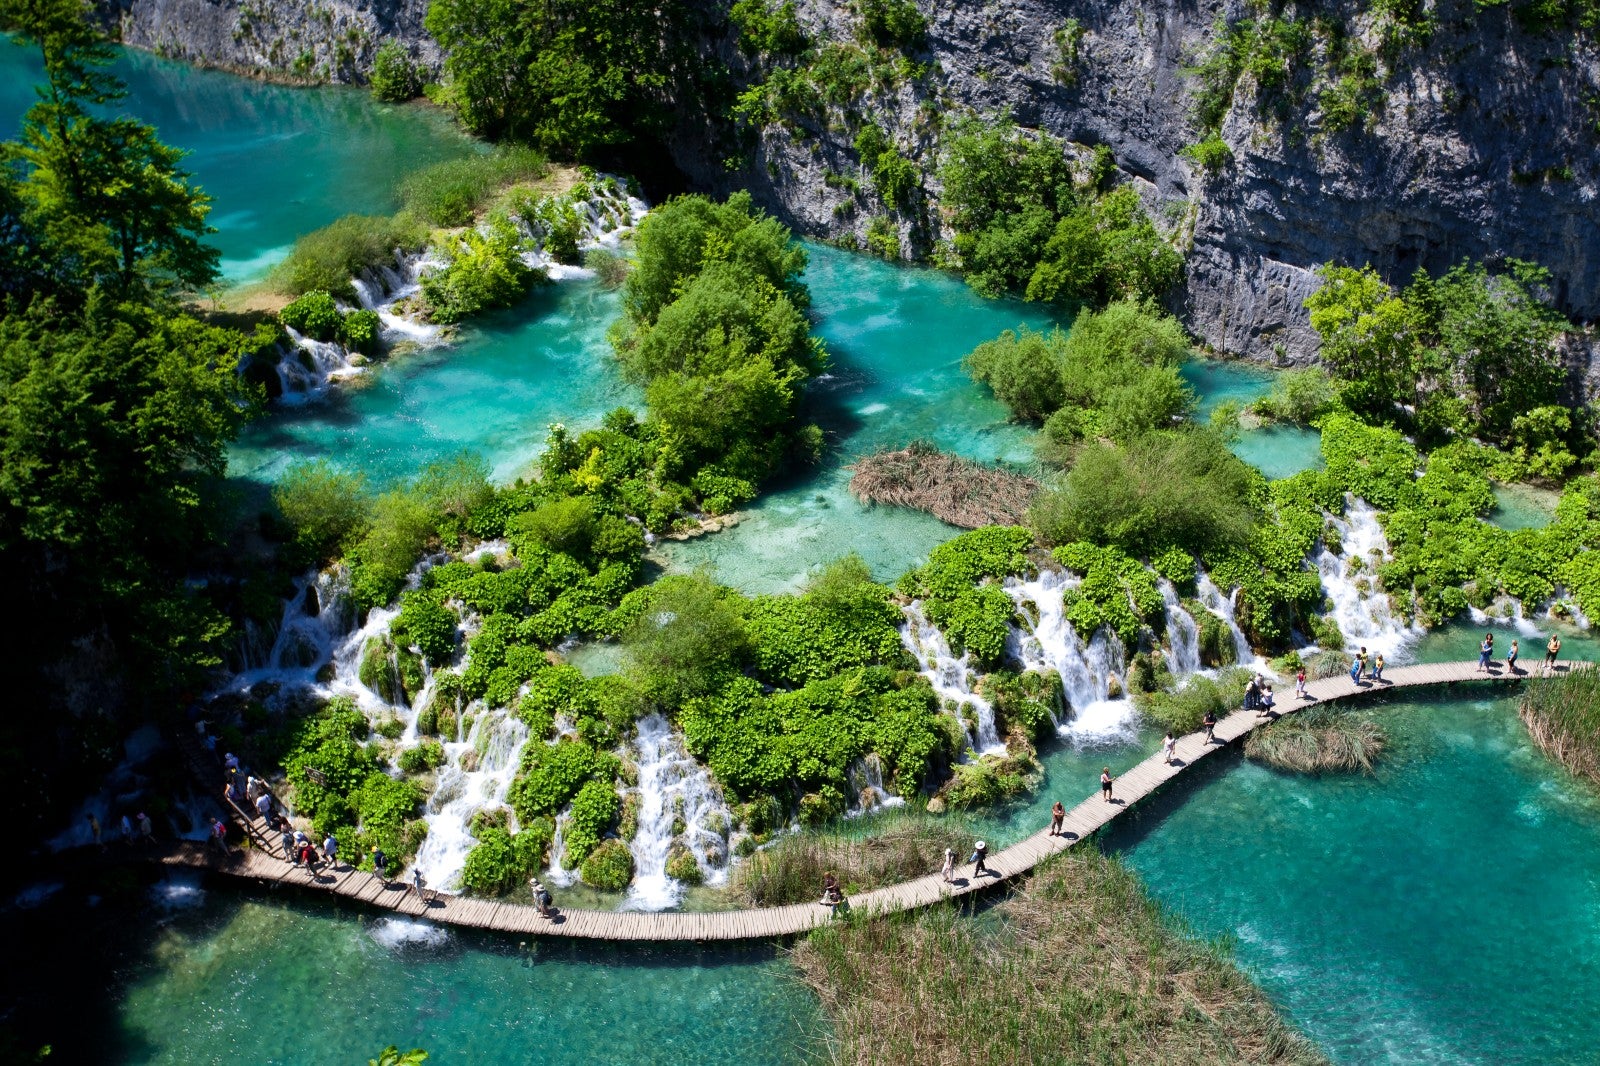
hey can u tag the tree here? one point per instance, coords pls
(689, 636)
(106, 199)
(1368, 339)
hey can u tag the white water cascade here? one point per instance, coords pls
(1086, 669)
(476, 775)
(867, 791)
(678, 807)
(1365, 615)
(951, 678)
(1183, 636)
(1213, 600)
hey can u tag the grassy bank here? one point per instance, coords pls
(790, 871)
(1318, 740)
(1563, 717)
(1078, 967)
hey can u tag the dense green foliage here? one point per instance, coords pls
(1298, 396)
(452, 193)
(501, 862)
(482, 270)
(396, 77)
(959, 591)
(325, 510)
(1023, 223)
(1116, 592)
(1115, 375)
(1467, 354)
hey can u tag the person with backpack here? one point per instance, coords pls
(380, 864)
(1210, 724)
(980, 852)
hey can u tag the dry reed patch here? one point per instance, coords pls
(1563, 716)
(1076, 966)
(790, 871)
(952, 489)
(1318, 740)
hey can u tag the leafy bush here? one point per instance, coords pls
(1116, 592)
(768, 29)
(1298, 396)
(594, 812)
(396, 77)
(688, 637)
(328, 258)
(552, 774)
(428, 755)
(1181, 712)
(610, 269)
(314, 315)
(325, 508)
(1210, 154)
(400, 526)
(608, 867)
(893, 23)
(481, 271)
(359, 331)
(451, 193)
(500, 863)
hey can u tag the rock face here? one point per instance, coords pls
(1484, 141)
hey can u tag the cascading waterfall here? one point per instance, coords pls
(1365, 616)
(1213, 599)
(1504, 610)
(867, 792)
(951, 678)
(1183, 636)
(679, 808)
(477, 774)
(1051, 643)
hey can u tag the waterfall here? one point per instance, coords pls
(1222, 606)
(557, 874)
(866, 786)
(679, 808)
(477, 774)
(1086, 669)
(1183, 636)
(1506, 610)
(950, 677)
(1365, 616)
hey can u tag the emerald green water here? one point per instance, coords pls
(1442, 911)
(276, 161)
(1523, 506)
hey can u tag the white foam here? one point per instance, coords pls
(399, 934)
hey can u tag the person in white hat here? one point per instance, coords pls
(979, 852)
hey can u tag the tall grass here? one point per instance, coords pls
(790, 871)
(328, 258)
(1182, 711)
(1563, 716)
(452, 192)
(1318, 740)
(1079, 968)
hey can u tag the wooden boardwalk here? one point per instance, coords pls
(1082, 822)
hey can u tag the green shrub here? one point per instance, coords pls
(328, 258)
(608, 867)
(610, 269)
(428, 625)
(325, 508)
(984, 781)
(594, 812)
(428, 755)
(314, 315)
(768, 29)
(359, 331)
(1181, 712)
(451, 193)
(1116, 592)
(481, 271)
(1210, 154)
(883, 237)
(1298, 396)
(892, 23)
(396, 77)
(500, 863)
(399, 528)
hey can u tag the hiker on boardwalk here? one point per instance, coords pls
(1169, 746)
(1105, 783)
(1358, 666)
(380, 864)
(1267, 702)
(288, 844)
(219, 835)
(541, 898)
(1552, 651)
(419, 883)
(127, 830)
(980, 851)
(330, 850)
(949, 871)
(1511, 658)
(832, 894)
(1210, 723)
(147, 831)
(1058, 814)
(264, 807)
(1485, 652)
(1300, 692)
(1377, 669)
(1252, 694)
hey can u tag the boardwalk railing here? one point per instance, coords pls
(1081, 822)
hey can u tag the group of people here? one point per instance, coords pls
(980, 853)
(1363, 664)
(137, 829)
(1258, 697)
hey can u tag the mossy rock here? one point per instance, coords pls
(427, 722)
(682, 865)
(410, 671)
(609, 866)
(377, 670)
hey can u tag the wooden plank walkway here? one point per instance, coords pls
(1081, 822)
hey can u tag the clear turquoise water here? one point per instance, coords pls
(277, 161)
(1278, 451)
(1523, 506)
(496, 392)
(247, 977)
(1446, 910)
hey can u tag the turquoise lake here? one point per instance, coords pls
(1444, 910)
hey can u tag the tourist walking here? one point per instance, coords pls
(1105, 783)
(1552, 651)
(541, 897)
(330, 850)
(832, 894)
(264, 807)
(1357, 666)
(1485, 651)
(1252, 694)
(231, 794)
(288, 845)
(94, 831)
(1511, 658)
(219, 835)
(1169, 746)
(380, 864)
(127, 831)
(949, 871)
(1300, 685)
(980, 851)
(1377, 669)
(1058, 814)
(419, 883)
(231, 762)
(1210, 723)
(1267, 702)
(147, 831)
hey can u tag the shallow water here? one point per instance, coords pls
(1441, 911)
(277, 161)
(263, 981)
(1523, 507)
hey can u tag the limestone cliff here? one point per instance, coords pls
(1478, 139)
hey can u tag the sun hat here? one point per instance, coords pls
(981, 844)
